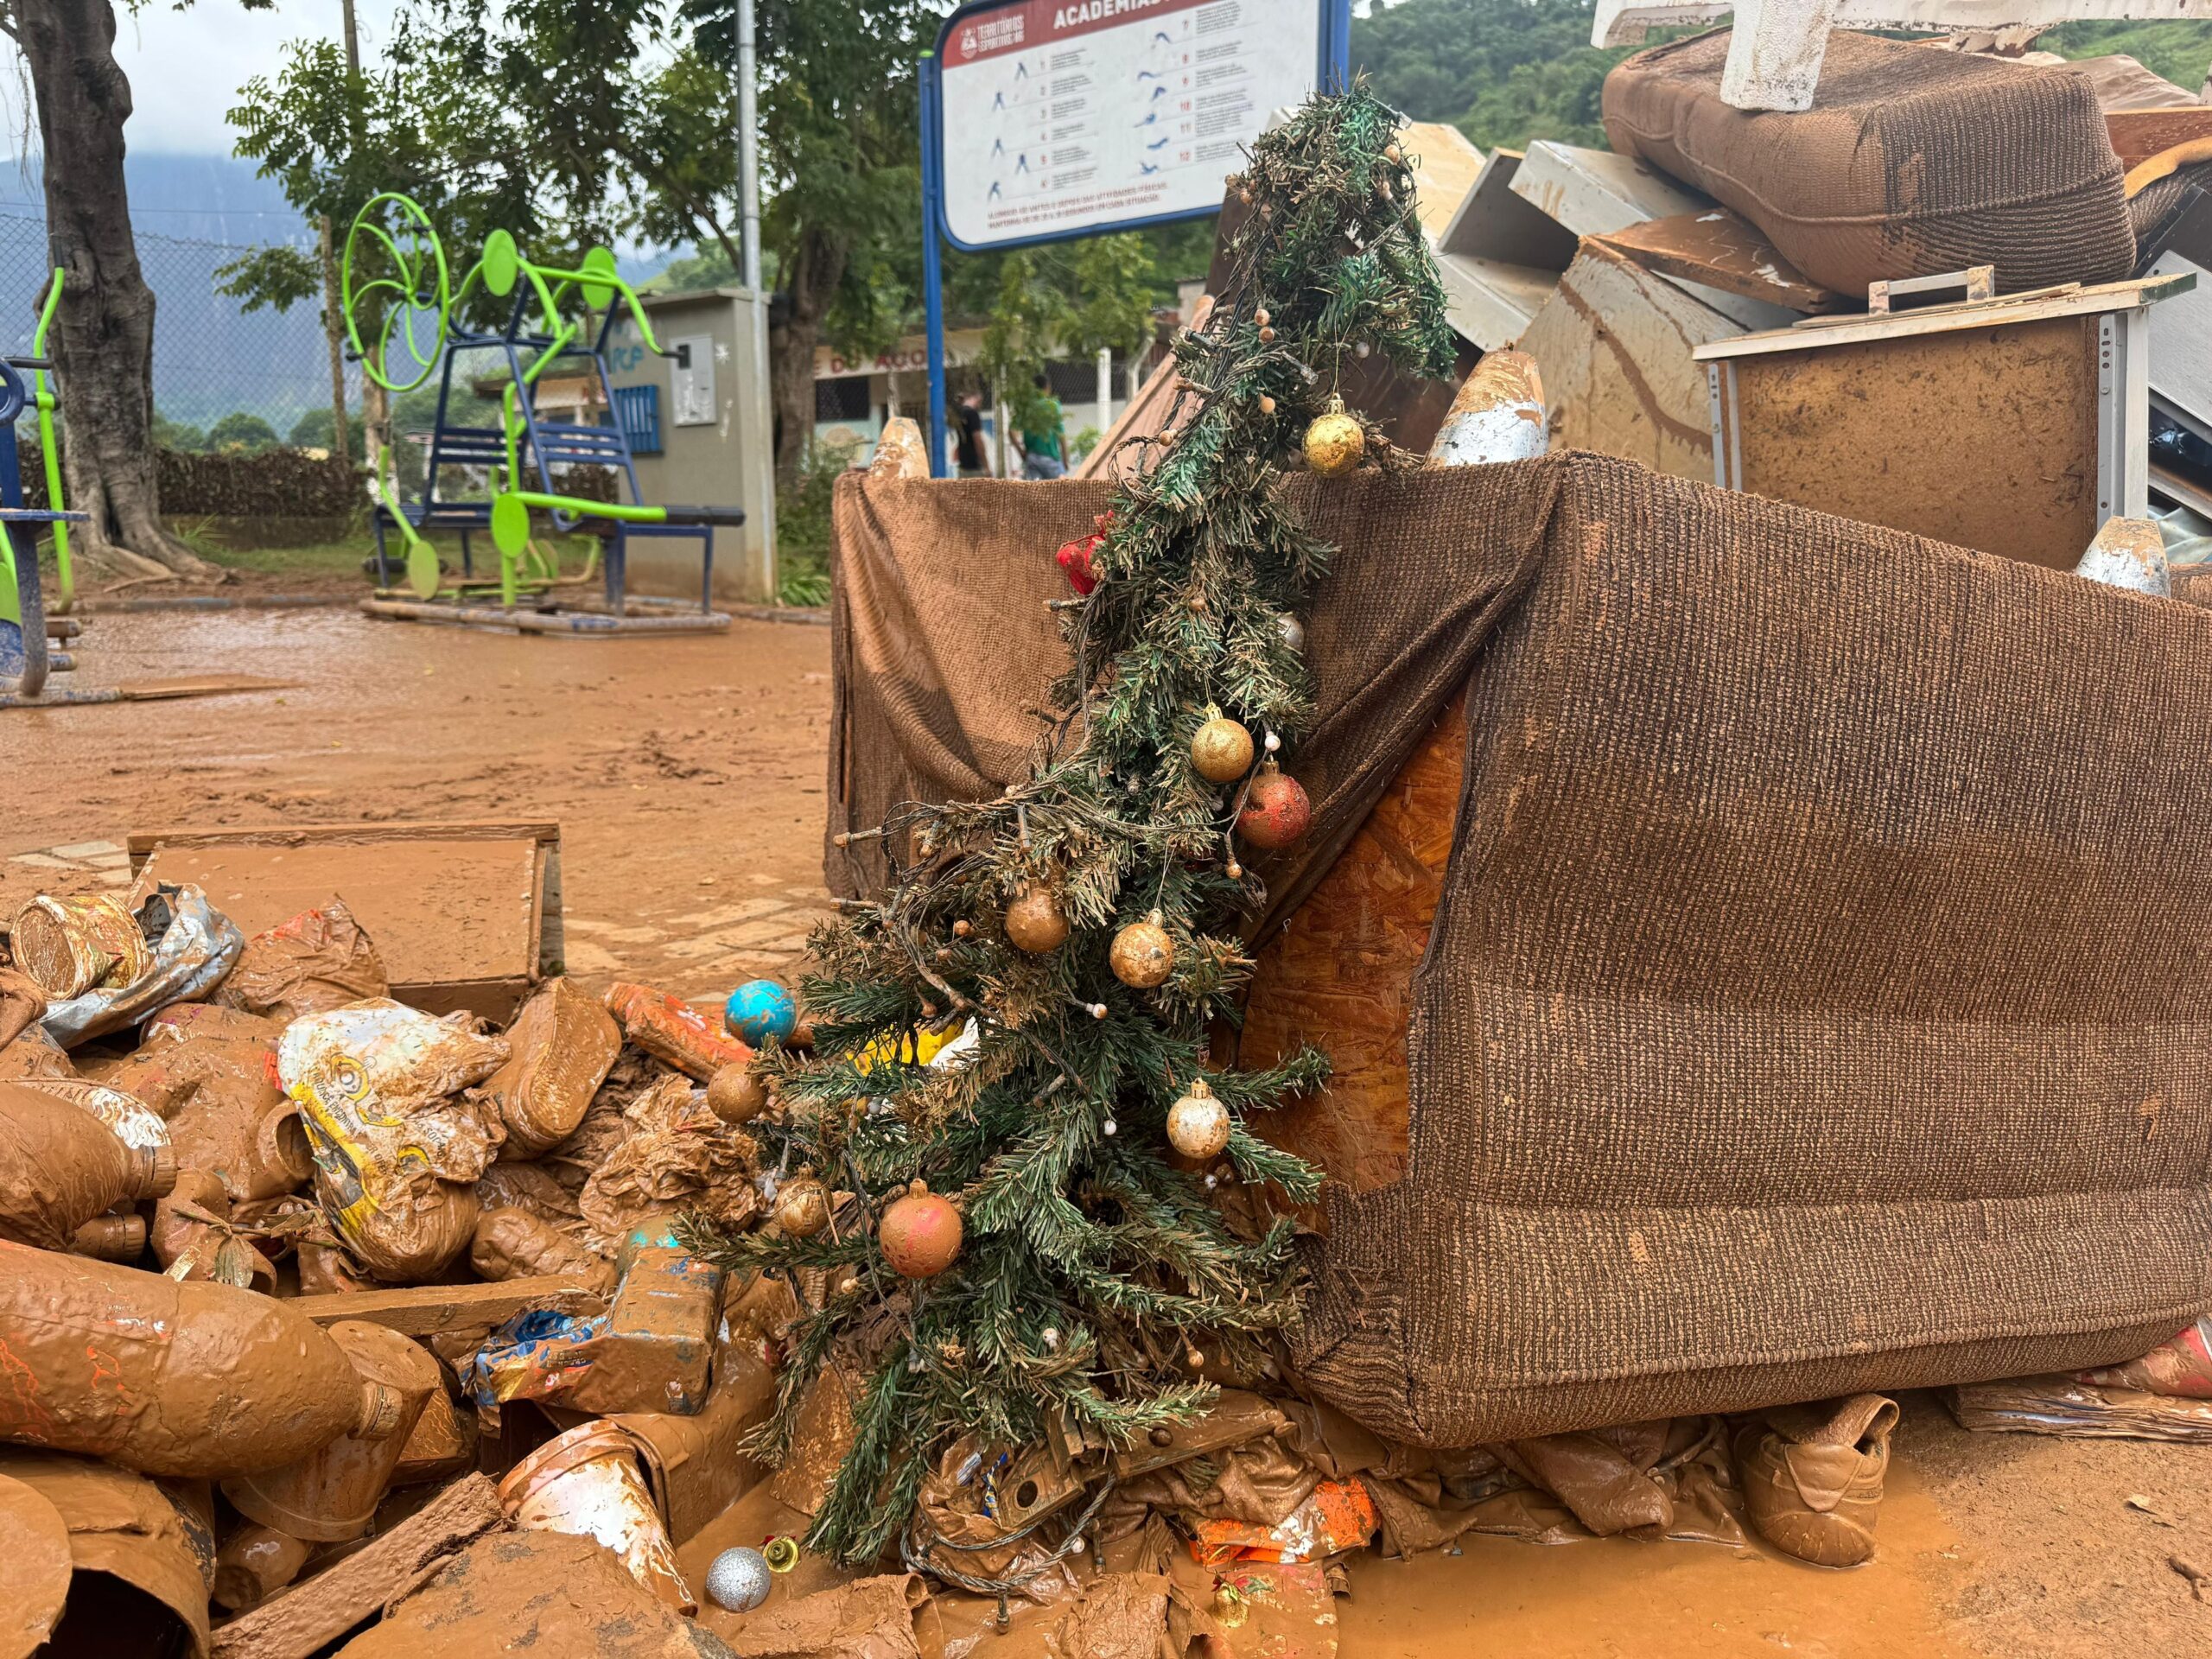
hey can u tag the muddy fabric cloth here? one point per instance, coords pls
(1816, 1000)
(868, 1618)
(1909, 162)
(22, 1005)
(548, 1594)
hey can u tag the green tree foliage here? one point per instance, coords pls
(1506, 72)
(1093, 1264)
(178, 435)
(2181, 51)
(314, 429)
(1503, 71)
(241, 432)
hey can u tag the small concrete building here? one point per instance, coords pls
(701, 426)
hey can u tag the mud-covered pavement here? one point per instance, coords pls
(687, 777)
(686, 773)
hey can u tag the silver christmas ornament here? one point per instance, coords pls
(1292, 632)
(739, 1579)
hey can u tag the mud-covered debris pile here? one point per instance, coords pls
(327, 1317)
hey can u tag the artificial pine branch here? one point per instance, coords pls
(1095, 1269)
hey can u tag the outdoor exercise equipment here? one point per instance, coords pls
(407, 319)
(28, 629)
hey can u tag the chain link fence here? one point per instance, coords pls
(225, 377)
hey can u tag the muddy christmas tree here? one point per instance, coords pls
(1001, 1160)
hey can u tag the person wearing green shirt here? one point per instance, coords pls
(1044, 429)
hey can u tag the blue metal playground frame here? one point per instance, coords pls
(544, 445)
(1332, 72)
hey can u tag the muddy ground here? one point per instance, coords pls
(687, 777)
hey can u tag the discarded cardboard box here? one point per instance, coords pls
(464, 914)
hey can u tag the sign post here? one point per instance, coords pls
(1045, 120)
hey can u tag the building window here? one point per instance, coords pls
(843, 399)
(637, 411)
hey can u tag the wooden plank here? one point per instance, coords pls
(2181, 344)
(1721, 250)
(1145, 416)
(429, 1309)
(1985, 438)
(1613, 344)
(2138, 135)
(1494, 223)
(1489, 303)
(304, 1618)
(1596, 193)
(1444, 167)
(205, 685)
(2005, 310)
(142, 842)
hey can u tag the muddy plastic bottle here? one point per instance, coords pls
(170, 1377)
(60, 1166)
(330, 1495)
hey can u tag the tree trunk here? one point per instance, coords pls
(811, 276)
(333, 334)
(103, 342)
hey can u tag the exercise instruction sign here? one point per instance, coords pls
(1065, 117)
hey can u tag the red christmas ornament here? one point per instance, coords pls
(1075, 557)
(920, 1235)
(1276, 813)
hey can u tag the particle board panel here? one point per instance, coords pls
(1495, 223)
(1614, 342)
(1721, 250)
(1985, 437)
(464, 915)
(1340, 975)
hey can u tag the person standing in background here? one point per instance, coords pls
(968, 446)
(1044, 433)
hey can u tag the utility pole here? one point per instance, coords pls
(334, 333)
(760, 507)
(375, 409)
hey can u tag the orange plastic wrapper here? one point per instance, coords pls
(563, 1044)
(2180, 1367)
(59, 1167)
(1337, 1516)
(672, 1031)
(319, 959)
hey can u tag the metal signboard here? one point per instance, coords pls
(1060, 118)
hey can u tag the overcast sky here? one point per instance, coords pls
(186, 66)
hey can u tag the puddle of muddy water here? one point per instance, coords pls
(1622, 1599)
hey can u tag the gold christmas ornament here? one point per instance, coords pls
(735, 1096)
(1143, 955)
(1035, 922)
(1222, 750)
(1197, 1124)
(1267, 405)
(801, 1207)
(1335, 443)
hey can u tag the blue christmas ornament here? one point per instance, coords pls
(759, 1009)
